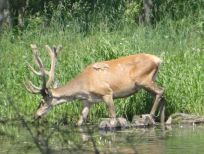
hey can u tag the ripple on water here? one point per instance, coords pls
(64, 139)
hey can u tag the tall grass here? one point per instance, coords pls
(181, 74)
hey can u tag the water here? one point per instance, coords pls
(34, 139)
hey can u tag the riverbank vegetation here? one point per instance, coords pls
(176, 35)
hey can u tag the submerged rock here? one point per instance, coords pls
(146, 120)
(108, 124)
(183, 118)
(119, 123)
(143, 120)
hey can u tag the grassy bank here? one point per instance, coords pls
(179, 45)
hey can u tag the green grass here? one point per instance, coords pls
(181, 74)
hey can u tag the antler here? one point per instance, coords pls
(53, 52)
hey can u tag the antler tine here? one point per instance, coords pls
(57, 50)
(32, 88)
(53, 55)
(34, 71)
(39, 63)
(37, 59)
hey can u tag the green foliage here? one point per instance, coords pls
(104, 30)
(178, 9)
(88, 14)
(132, 11)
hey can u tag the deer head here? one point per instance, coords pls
(47, 99)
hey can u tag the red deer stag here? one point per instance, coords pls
(101, 81)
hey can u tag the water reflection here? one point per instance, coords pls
(39, 138)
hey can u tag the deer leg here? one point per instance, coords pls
(158, 92)
(84, 113)
(162, 111)
(108, 99)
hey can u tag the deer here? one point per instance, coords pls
(99, 82)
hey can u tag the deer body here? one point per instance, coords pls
(120, 78)
(108, 80)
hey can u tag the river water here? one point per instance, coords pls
(34, 139)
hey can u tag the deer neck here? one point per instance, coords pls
(67, 92)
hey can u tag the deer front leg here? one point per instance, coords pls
(84, 113)
(108, 99)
